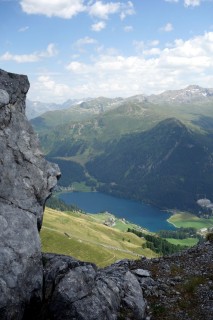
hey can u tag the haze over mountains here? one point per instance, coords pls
(36, 108)
(155, 148)
(189, 94)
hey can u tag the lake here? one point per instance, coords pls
(136, 212)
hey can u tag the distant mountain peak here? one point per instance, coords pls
(193, 87)
(191, 93)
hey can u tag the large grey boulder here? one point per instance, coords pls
(26, 181)
(78, 290)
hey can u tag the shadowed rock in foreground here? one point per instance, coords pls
(77, 290)
(71, 289)
(26, 180)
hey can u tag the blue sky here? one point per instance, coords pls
(89, 48)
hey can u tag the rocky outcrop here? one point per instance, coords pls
(55, 287)
(78, 290)
(26, 180)
(180, 286)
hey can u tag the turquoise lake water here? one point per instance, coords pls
(137, 212)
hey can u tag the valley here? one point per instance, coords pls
(139, 213)
(85, 237)
(157, 149)
(103, 238)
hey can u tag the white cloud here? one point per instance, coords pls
(33, 57)
(64, 9)
(167, 28)
(154, 70)
(22, 58)
(23, 29)
(78, 67)
(103, 10)
(192, 3)
(98, 26)
(51, 51)
(49, 90)
(172, 0)
(127, 10)
(152, 52)
(142, 47)
(128, 28)
(81, 43)
(183, 63)
(85, 41)
(153, 43)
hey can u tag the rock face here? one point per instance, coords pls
(77, 290)
(26, 180)
(71, 289)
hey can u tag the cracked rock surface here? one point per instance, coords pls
(48, 287)
(78, 290)
(26, 180)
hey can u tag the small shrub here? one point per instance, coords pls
(209, 237)
(158, 310)
(191, 285)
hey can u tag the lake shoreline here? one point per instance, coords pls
(139, 213)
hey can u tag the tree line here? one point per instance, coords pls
(157, 244)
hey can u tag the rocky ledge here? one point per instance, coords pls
(55, 287)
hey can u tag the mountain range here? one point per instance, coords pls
(155, 148)
(37, 108)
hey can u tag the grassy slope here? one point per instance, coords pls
(185, 220)
(183, 242)
(80, 236)
(119, 223)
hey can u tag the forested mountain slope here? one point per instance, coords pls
(154, 148)
(168, 166)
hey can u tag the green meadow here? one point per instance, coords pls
(189, 242)
(187, 220)
(85, 237)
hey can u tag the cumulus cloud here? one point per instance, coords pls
(128, 28)
(80, 44)
(78, 67)
(23, 29)
(22, 58)
(153, 43)
(167, 28)
(85, 41)
(48, 89)
(153, 71)
(64, 9)
(98, 26)
(103, 10)
(192, 3)
(126, 10)
(147, 47)
(51, 51)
